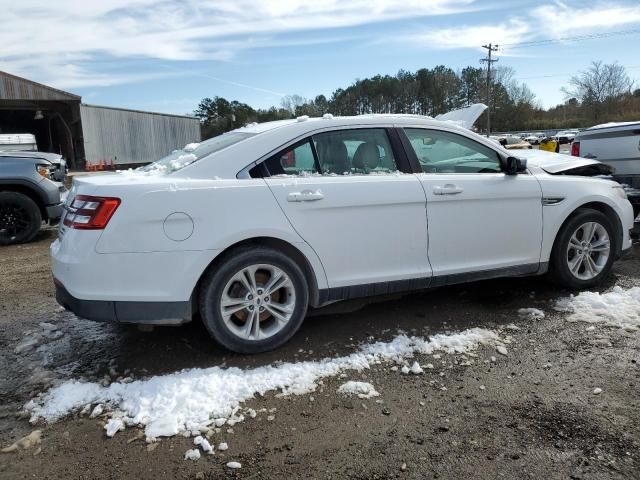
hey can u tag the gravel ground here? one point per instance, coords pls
(529, 414)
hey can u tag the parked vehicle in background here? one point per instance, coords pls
(252, 227)
(565, 136)
(15, 142)
(549, 144)
(28, 196)
(511, 142)
(532, 139)
(617, 145)
(59, 168)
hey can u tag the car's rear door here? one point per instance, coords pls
(480, 219)
(345, 194)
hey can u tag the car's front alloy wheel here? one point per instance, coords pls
(254, 301)
(584, 249)
(588, 250)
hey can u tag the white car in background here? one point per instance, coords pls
(565, 136)
(249, 229)
(532, 139)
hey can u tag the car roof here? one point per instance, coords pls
(328, 120)
(26, 154)
(267, 138)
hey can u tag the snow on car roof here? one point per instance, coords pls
(315, 122)
(462, 117)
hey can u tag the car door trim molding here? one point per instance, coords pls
(333, 294)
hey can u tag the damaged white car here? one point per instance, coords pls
(248, 230)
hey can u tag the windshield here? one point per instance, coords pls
(194, 151)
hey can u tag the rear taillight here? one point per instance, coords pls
(86, 212)
(575, 149)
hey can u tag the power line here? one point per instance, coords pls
(534, 43)
(490, 49)
(551, 75)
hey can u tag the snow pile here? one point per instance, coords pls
(618, 308)
(113, 426)
(362, 389)
(192, 454)
(531, 313)
(192, 400)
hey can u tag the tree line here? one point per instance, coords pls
(601, 93)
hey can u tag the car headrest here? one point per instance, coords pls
(367, 156)
(336, 158)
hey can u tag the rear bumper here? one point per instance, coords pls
(149, 313)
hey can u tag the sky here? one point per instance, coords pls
(166, 56)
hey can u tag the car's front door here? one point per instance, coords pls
(345, 195)
(480, 219)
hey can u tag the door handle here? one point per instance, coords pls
(305, 196)
(590, 156)
(448, 189)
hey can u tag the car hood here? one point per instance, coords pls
(556, 163)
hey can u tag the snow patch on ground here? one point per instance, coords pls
(192, 400)
(192, 454)
(531, 313)
(618, 308)
(361, 389)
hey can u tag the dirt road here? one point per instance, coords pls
(531, 413)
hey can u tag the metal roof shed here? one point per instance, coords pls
(88, 133)
(132, 137)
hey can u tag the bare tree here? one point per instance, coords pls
(291, 102)
(600, 87)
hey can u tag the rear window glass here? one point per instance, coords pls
(193, 152)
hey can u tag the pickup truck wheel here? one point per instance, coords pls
(584, 250)
(20, 218)
(254, 301)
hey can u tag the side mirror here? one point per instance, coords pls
(515, 165)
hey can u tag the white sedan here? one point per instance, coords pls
(248, 229)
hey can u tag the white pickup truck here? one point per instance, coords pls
(617, 145)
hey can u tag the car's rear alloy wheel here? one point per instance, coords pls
(258, 301)
(584, 250)
(20, 218)
(588, 250)
(254, 301)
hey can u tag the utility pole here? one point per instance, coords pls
(490, 49)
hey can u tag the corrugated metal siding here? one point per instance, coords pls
(17, 88)
(130, 136)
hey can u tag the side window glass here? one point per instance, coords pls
(295, 161)
(355, 152)
(445, 152)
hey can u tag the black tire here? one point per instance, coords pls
(20, 218)
(559, 268)
(215, 280)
